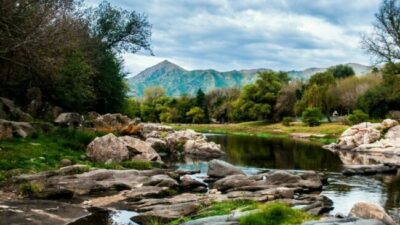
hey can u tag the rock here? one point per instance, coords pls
(140, 150)
(370, 169)
(393, 133)
(363, 133)
(389, 123)
(69, 119)
(155, 130)
(74, 169)
(162, 180)
(233, 181)
(111, 122)
(92, 116)
(8, 111)
(157, 143)
(219, 168)
(177, 140)
(203, 149)
(344, 221)
(9, 129)
(65, 162)
(108, 148)
(132, 129)
(189, 184)
(39, 212)
(366, 210)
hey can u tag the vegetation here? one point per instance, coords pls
(29, 189)
(45, 151)
(357, 117)
(58, 53)
(276, 214)
(312, 117)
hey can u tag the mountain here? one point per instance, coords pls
(177, 81)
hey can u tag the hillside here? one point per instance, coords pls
(177, 81)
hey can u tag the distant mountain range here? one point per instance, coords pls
(177, 81)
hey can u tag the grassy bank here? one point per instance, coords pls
(46, 151)
(263, 129)
(273, 213)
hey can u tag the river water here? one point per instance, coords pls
(255, 154)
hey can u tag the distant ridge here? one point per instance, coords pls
(177, 80)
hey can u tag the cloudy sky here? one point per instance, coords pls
(233, 34)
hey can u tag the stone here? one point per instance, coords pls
(111, 122)
(367, 210)
(8, 111)
(344, 221)
(65, 162)
(233, 181)
(155, 130)
(157, 143)
(393, 133)
(40, 212)
(219, 168)
(389, 123)
(203, 149)
(9, 129)
(140, 150)
(162, 180)
(110, 148)
(107, 148)
(188, 183)
(69, 119)
(132, 129)
(370, 169)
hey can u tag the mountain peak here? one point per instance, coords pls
(165, 64)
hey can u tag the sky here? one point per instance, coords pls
(234, 34)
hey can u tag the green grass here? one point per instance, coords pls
(43, 152)
(276, 214)
(29, 189)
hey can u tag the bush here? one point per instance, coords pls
(276, 214)
(312, 116)
(286, 121)
(29, 189)
(358, 116)
(140, 165)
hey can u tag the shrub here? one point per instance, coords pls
(29, 189)
(358, 116)
(276, 214)
(312, 116)
(286, 121)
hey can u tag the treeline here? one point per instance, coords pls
(60, 53)
(274, 97)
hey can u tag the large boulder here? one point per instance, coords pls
(155, 130)
(393, 133)
(110, 148)
(389, 123)
(157, 143)
(363, 133)
(140, 150)
(69, 119)
(367, 210)
(218, 168)
(8, 111)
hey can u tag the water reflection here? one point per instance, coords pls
(360, 158)
(276, 153)
(105, 217)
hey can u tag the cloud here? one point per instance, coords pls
(277, 34)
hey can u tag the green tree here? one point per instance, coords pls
(341, 71)
(197, 114)
(312, 116)
(256, 100)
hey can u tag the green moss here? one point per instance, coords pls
(140, 165)
(29, 189)
(276, 214)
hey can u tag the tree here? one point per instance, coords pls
(197, 114)
(121, 30)
(384, 41)
(312, 116)
(286, 101)
(319, 94)
(256, 100)
(341, 71)
(219, 103)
